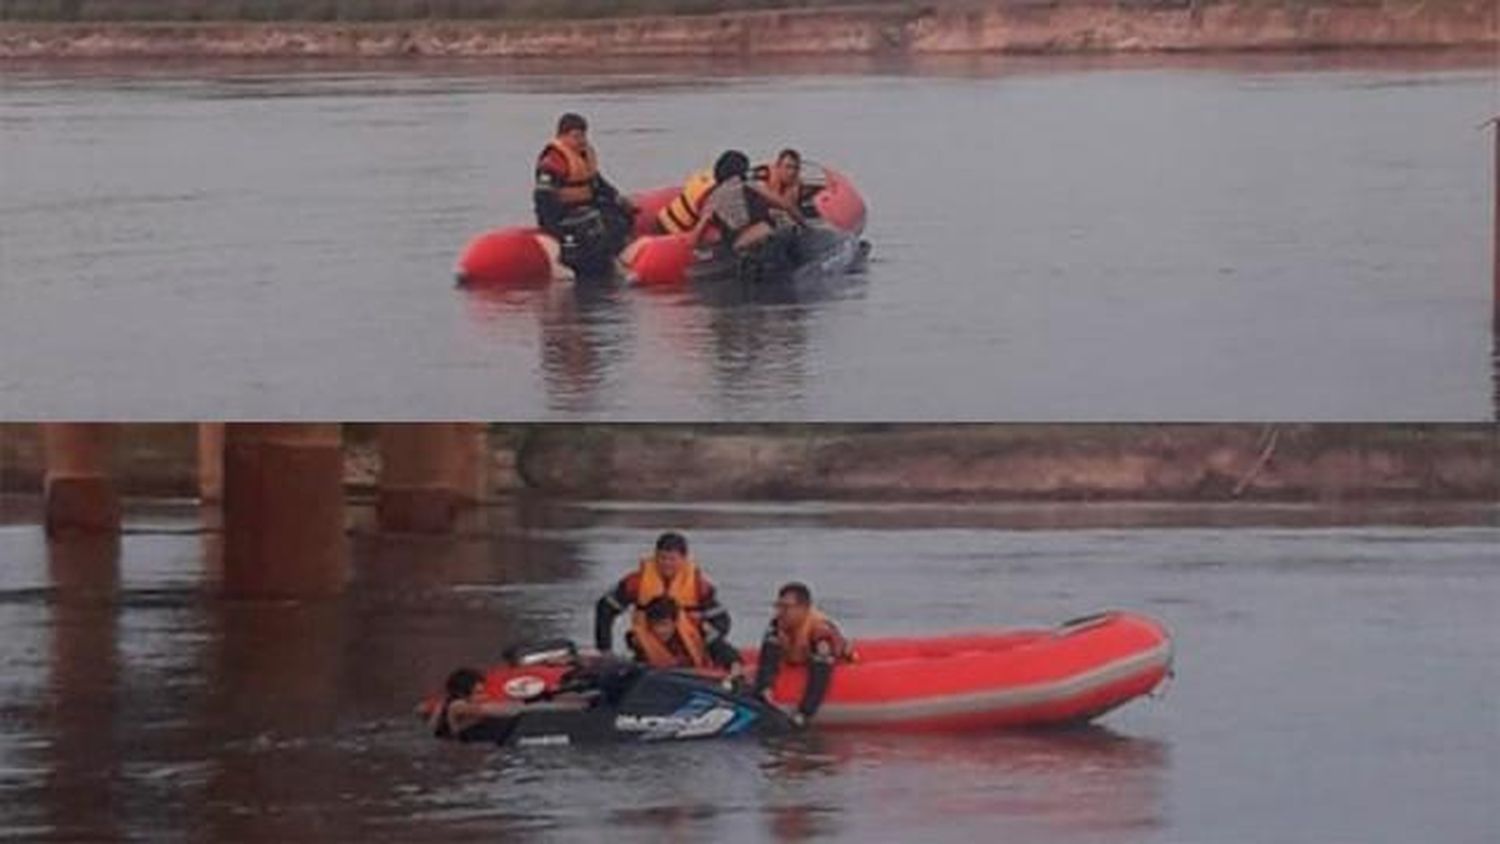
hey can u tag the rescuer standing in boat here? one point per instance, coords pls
(575, 203)
(668, 571)
(801, 635)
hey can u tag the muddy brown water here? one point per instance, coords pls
(1336, 680)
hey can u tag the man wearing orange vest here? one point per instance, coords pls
(575, 203)
(800, 635)
(784, 178)
(699, 619)
(662, 645)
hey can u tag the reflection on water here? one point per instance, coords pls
(83, 689)
(135, 702)
(740, 341)
(1070, 785)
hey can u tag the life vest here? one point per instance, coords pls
(796, 645)
(682, 213)
(684, 590)
(577, 187)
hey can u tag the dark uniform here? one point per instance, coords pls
(578, 206)
(819, 646)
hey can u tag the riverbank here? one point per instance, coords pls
(891, 29)
(1167, 463)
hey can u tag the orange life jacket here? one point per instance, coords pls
(682, 213)
(796, 645)
(684, 590)
(578, 183)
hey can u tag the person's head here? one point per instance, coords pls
(573, 130)
(464, 683)
(671, 553)
(732, 163)
(793, 602)
(788, 166)
(661, 617)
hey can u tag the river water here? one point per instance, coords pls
(1292, 237)
(1337, 680)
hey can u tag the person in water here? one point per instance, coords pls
(467, 714)
(801, 635)
(784, 178)
(662, 645)
(574, 202)
(739, 208)
(668, 571)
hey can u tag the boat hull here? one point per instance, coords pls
(1067, 675)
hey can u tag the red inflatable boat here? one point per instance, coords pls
(526, 256)
(1069, 674)
(1024, 678)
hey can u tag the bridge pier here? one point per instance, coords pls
(78, 488)
(430, 472)
(283, 502)
(210, 462)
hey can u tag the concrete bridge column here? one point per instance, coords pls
(78, 490)
(284, 510)
(210, 462)
(429, 473)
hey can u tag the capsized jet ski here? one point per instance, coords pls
(623, 702)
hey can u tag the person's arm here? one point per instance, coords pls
(819, 675)
(697, 233)
(779, 202)
(724, 655)
(633, 645)
(611, 605)
(714, 615)
(768, 664)
(549, 209)
(473, 711)
(706, 211)
(607, 192)
(435, 719)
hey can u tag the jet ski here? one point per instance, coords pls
(792, 255)
(611, 700)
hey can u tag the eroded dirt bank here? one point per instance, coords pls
(1011, 26)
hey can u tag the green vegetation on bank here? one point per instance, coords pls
(386, 10)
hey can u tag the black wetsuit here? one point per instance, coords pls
(591, 232)
(820, 665)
